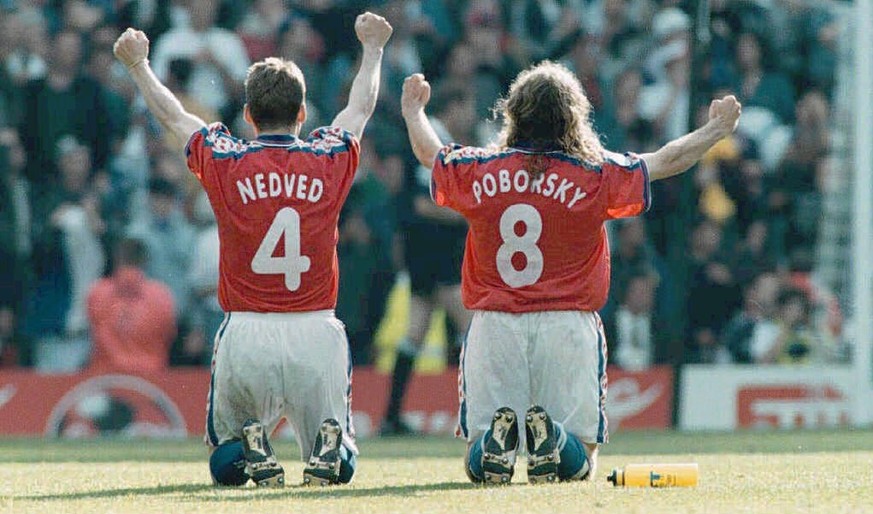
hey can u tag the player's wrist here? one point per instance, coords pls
(137, 63)
(718, 129)
(373, 48)
(412, 113)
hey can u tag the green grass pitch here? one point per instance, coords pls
(782, 472)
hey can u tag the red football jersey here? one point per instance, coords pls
(277, 201)
(537, 244)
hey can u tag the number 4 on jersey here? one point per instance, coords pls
(292, 264)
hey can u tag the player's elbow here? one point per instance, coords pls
(664, 164)
(426, 159)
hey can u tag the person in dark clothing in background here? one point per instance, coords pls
(433, 241)
(367, 245)
(64, 103)
(15, 247)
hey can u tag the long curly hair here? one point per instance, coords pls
(546, 109)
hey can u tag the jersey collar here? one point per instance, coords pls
(277, 139)
(529, 146)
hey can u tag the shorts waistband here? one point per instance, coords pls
(281, 316)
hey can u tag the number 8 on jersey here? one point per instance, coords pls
(525, 244)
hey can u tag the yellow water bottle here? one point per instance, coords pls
(655, 475)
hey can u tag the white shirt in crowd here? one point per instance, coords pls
(635, 349)
(205, 81)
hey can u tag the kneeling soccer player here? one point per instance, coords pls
(536, 266)
(281, 353)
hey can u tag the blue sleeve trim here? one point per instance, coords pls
(316, 144)
(647, 187)
(203, 131)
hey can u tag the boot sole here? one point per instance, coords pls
(543, 457)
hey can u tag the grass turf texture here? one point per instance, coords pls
(809, 471)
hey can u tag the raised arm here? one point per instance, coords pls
(132, 49)
(373, 32)
(423, 138)
(678, 155)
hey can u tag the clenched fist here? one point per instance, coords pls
(726, 113)
(416, 94)
(132, 47)
(373, 30)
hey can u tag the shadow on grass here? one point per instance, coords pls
(125, 491)
(206, 492)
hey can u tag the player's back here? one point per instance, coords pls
(277, 201)
(537, 239)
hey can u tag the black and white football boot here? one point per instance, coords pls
(499, 447)
(542, 446)
(261, 463)
(323, 467)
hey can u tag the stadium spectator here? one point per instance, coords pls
(799, 177)
(204, 312)
(635, 332)
(787, 30)
(671, 34)
(132, 318)
(825, 313)
(168, 237)
(259, 27)
(218, 56)
(755, 324)
(64, 103)
(23, 47)
(402, 57)
(67, 259)
(300, 42)
(101, 67)
(742, 174)
(712, 295)
(461, 70)
(622, 26)
(367, 247)
(81, 16)
(793, 342)
(178, 81)
(15, 246)
(538, 27)
(10, 88)
(495, 59)
(821, 44)
(585, 59)
(432, 26)
(754, 253)
(631, 255)
(757, 84)
(666, 102)
(627, 129)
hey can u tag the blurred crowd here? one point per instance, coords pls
(109, 249)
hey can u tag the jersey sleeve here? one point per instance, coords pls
(203, 144)
(453, 166)
(340, 146)
(627, 182)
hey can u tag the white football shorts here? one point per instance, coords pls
(555, 359)
(272, 366)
